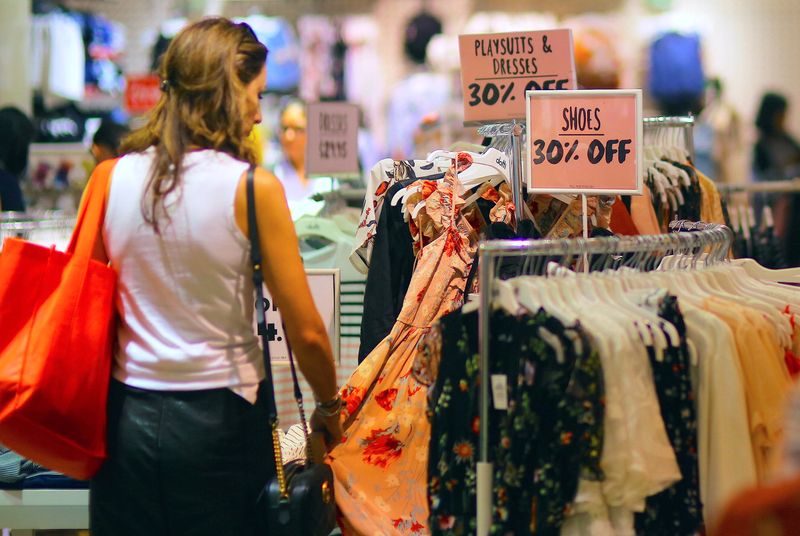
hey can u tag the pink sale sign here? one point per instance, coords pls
(585, 141)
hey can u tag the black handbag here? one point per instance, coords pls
(299, 499)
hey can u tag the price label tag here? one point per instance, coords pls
(585, 142)
(324, 285)
(498, 69)
(500, 391)
(332, 146)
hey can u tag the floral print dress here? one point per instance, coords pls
(550, 435)
(380, 468)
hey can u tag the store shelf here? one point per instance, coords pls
(44, 509)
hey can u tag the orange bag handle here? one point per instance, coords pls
(91, 212)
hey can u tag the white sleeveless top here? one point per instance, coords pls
(185, 297)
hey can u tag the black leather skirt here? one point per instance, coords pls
(182, 463)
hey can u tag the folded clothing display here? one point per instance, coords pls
(17, 472)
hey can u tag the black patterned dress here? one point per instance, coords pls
(549, 436)
(676, 511)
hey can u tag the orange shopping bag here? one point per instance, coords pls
(56, 334)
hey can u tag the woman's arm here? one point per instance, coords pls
(286, 280)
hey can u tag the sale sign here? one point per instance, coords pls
(332, 146)
(498, 69)
(324, 285)
(142, 93)
(585, 142)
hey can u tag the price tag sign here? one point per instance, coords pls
(142, 93)
(585, 142)
(498, 69)
(332, 147)
(324, 285)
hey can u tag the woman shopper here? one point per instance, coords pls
(188, 441)
(776, 156)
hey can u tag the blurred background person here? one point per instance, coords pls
(777, 157)
(422, 95)
(16, 134)
(718, 137)
(777, 153)
(107, 139)
(290, 167)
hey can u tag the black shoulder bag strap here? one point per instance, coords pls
(261, 320)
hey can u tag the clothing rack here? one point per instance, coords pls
(47, 228)
(788, 186)
(685, 123)
(20, 222)
(690, 237)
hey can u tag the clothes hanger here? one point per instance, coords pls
(681, 174)
(315, 226)
(505, 297)
(579, 294)
(756, 271)
(615, 293)
(476, 172)
(474, 176)
(491, 157)
(534, 291)
(717, 284)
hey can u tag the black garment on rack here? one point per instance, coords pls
(767, 250)
(692, 195)
(507, 266)
(676, 511)
(549, 437)
(390, 269)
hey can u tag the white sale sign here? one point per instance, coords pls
(324, 285)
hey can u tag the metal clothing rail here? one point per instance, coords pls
(691, 237)
(21, 221)
(683, 122)
(787, 186)
(669, 121)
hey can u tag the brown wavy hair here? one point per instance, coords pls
(204, 72)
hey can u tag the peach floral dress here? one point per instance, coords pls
(380, 468)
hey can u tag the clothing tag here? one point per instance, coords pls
(500, 391)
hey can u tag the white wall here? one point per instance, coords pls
(751, 45)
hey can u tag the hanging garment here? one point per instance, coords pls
(391, 269)
(676, 510)
(643, 213)
(392, 253)
(380, 466)
(58, 57)
(711, 210)
(621, 220)
(383, 175)
(547, 434)
(766, 378)
(723, 432)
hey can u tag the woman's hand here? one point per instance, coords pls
(331, 426)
